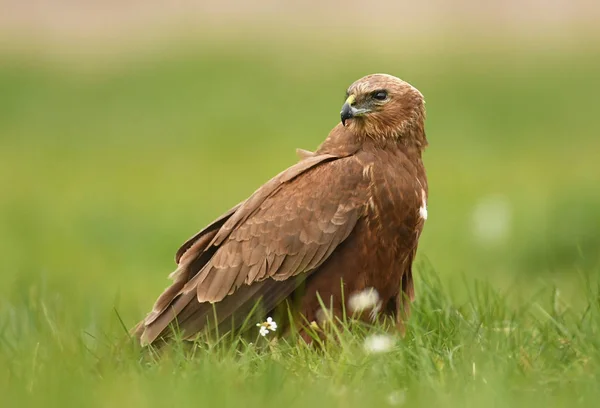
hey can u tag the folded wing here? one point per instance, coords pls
(263, 248)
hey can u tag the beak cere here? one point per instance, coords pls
(346, 113)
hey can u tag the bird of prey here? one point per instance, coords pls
(345, 218)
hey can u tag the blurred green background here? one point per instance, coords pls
(106, 171)
(109, 161)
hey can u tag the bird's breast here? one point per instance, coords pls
(396, 206)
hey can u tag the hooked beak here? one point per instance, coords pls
(349, 111)
(346, 113)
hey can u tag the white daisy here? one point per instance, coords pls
(271, 324)
(378, 343)
(265, 327)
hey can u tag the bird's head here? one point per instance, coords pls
(381, 106)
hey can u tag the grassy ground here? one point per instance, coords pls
(105, 171)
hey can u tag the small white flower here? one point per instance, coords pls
(378, 343)
(365, 299)
(265, 327)
(272, 325)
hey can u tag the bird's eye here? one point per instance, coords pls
(380, 95)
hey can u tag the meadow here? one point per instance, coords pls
(106, 166)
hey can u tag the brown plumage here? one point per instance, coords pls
(350, 212)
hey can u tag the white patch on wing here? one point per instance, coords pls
(423, 209)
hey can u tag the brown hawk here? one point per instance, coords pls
(346, 217)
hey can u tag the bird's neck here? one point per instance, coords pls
(414, 139)
(343, 141)
(411, 140)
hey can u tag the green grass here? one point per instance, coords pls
(105, 171)
(473, 353)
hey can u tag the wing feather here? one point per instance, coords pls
(287, 228)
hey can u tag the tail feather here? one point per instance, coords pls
(191, 317)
